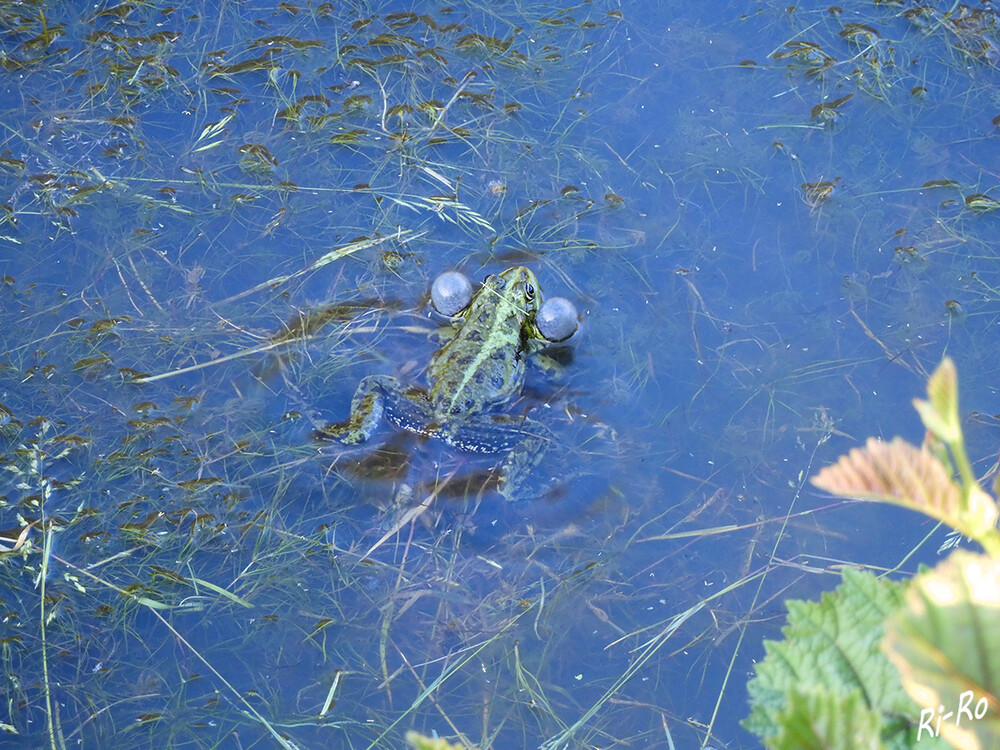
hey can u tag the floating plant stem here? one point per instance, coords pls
(405, 235)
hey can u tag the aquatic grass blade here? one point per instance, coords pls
(405, 235)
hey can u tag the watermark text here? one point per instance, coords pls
(931, 718)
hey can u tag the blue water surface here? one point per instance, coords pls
(216, 219)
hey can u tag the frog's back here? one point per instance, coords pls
(468, 379)
(484, 363)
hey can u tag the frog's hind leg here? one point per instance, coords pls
(376, 395)
(524, 441)
(491, 433)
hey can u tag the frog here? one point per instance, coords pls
(472, 378)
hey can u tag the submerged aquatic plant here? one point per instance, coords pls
(226, 208)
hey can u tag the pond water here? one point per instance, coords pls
(216, 220)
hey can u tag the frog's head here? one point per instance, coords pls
(514, 293)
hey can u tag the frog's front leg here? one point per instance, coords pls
(377, 396)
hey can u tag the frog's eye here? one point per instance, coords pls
(487, 279)
(529, 292)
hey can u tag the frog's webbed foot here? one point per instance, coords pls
(375, 397)
(518, 475)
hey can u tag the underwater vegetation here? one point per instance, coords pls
(217, 220)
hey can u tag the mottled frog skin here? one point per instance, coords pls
(472, 377)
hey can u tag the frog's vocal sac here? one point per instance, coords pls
(478, 372)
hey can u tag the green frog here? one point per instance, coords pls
(478, 371)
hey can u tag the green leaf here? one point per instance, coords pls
(946, 643)
(833, 645)
(902, 474)
(940, 413)
(820, 720)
